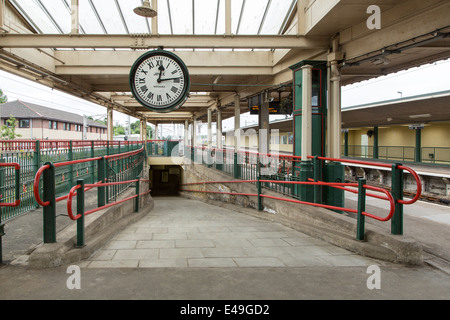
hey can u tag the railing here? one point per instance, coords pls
(8, 190)
(114, 172)
(280, 173)
(434, 155)
(163, 148)
(81, 213)
(32, 154)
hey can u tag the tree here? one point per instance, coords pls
(3, 97)
(8, 130)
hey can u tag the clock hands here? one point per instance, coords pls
(161, 69)
(160, 80)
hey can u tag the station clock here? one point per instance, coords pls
(159, 80)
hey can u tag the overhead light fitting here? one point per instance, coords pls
(415, 116)
(381, 60)
(145, 10)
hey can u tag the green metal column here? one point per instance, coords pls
(49, 194)
(101, 198)
(346, 142)
(360, 227)
(418, 149)
(375, 142)
(304, 169)
(2, 229)
(36, 164)
(80, 210)
(397, 194)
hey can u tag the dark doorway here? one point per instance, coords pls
(165, 180)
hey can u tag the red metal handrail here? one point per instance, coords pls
(383, 165)
(61, 164)
(387, 193)
(74, 188)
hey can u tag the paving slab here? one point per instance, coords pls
(186, 233)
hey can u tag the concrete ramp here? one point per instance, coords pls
(184, 233)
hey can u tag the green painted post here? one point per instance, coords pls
(136, 204)
(80, 210)
(37, 163)
(93, 162)
(317, 177)
(346, 142)
(49, 194)
(2, 229)
(418, 149)
(70, 155)
(397, 194)
(258, 184)
(360, 228)
(235, 167)
(375, 142)
(101, 177)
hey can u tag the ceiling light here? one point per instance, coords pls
(381, 60)
(415, 116)
(145, 10)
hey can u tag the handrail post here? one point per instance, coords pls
(37, 163)
(70, 158)
(136, 206)
(317, 177)
(49, 194)
(397, 194)
(101, 178)
(360, 228)
(258, 185)
(80, 211)
(2, 230)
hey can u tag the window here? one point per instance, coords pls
(55, 125)
(24, 123)
(50, 124)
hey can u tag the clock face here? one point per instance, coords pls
(159, 80)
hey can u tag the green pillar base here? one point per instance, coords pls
(306, 192)
(334, 172)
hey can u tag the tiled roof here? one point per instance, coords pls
(26, 110)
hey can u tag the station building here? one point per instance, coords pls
(36, 122)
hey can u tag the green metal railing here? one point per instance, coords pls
(433, 155)
(32, 154)
(112, 179)
(275, 172)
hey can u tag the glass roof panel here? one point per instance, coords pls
(220, 28)
(174, 16)
(135, 23)
(181, 16)
(276, 16)
(236, 8)
(110, 17)
(163, 18)
(252, 15)
(59, 14)
(87, 18)
(205, 16)
(35, 15)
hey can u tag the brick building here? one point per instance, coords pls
(38, 122)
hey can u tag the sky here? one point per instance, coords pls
(421, 80)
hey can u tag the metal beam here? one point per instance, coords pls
(167, 41)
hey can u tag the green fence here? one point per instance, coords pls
(32, 154)
(434, 155)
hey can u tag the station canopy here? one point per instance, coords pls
(234, 49)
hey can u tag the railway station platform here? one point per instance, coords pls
(191, 250)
